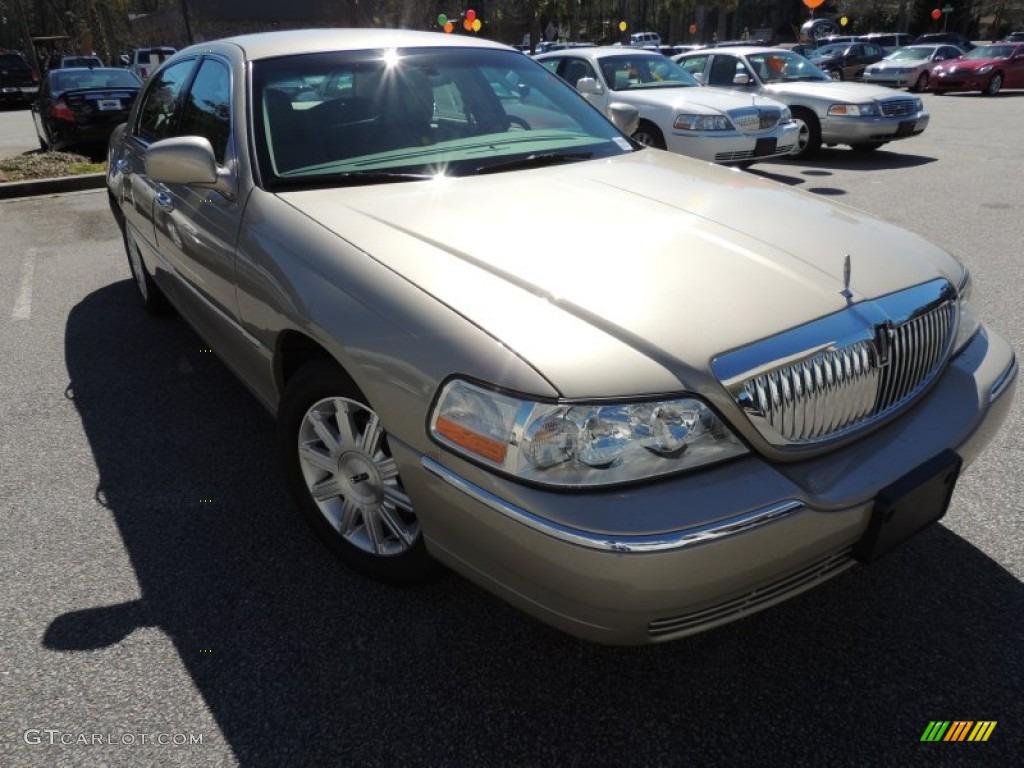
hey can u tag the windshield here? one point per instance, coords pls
(780, 66)
(836, 49)
(110, 77)
(912, 53)
(991, 52)
(353, 117)
(633, 73)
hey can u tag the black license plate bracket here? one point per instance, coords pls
(906, 128)
(765, 146)
(915, 501)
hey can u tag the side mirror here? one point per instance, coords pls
(741, 78)
(625, 116)
(187, 160)
(589, 86)
(699, 77)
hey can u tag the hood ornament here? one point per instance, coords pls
(846, 293)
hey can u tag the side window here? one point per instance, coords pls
(694, 64)
(156, 115)
(206, 110)
(551, 64)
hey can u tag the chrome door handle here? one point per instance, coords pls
(164, 200)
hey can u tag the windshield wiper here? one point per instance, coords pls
(350, 179)
(539, 160)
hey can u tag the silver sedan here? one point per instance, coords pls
(910, 67)
(634, 394)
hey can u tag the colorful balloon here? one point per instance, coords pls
(936, 14)
(477, 24)
(467, 25)
(693, 29)
(442, 20)
(622, 26)
(448, 26)
(812, 4)
(843, 21)
(470, 14)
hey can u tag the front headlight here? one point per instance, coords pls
(786, 115)
(580, 444)
(918, 104)
(985, 70)
(853, 110)
(702, 123)
(970, 323)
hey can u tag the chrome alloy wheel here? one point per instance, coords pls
(352, 478)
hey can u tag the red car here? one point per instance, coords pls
(988, 68)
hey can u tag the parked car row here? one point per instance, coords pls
(705, 394)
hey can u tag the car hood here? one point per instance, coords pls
(711, 99)
(968, 65)
(854, 93)
(674, 258)
(897, 64)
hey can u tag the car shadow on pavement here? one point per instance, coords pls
(302, 662)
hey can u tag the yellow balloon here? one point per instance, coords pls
(843, 21)
(477, 24)
(622, 26)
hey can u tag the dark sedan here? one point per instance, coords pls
(79, 108)
(846, 61)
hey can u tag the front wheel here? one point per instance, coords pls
(808, 140)
(649, 135)
(835, 74)
(922, 83)
(344, 479)
(995, 84)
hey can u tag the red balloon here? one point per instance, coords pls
(470, 15)
(936, 13)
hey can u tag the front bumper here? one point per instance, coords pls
(865, 130)
(663, 560)
(891, 79)
(727, 147)
(960, 81)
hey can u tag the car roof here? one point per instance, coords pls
(265, 45)
(739, 50)
(605, 51)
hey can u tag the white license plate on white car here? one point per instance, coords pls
(106, 105)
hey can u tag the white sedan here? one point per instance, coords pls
(676, 112)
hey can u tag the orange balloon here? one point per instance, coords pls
(813, 3)
(448, 26)
(467, 25)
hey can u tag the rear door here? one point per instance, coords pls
(1015, 69)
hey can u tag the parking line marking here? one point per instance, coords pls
(23, 303)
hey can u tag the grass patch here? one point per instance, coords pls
(47, 165)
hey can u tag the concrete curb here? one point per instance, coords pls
(12, 189)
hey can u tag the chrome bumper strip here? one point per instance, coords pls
(1005, 379)
(658, 542)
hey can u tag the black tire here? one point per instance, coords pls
(808, 141)
(648, 134)
(869, 147)
(153, 299)
(922, 83)
(995, 84)
(363, 514)
(836, 74)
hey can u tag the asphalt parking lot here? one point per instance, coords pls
(162, 606)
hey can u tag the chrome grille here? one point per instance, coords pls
(753, 119)
(846, 371)
(899, 107)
